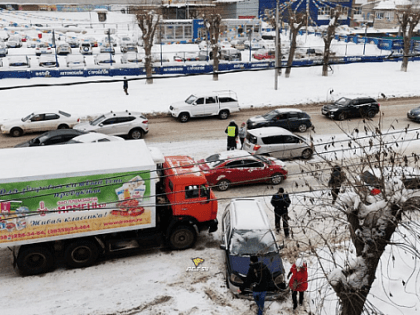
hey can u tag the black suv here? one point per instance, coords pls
(287, 118)
(345, 108)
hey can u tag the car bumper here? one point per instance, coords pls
(413, 117)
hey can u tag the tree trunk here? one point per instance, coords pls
(148, 64)
(291, 52)
(215, 63)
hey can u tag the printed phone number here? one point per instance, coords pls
(43, 233)
(21, 235)
(69, 229)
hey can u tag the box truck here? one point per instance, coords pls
(79, 201)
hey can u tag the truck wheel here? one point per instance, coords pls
(34, 260)
(182, 237)
(136, 134)
(184, 117)
(16, 132)
(224, 114)
(276, 179)
(81, 253)
(223, 185)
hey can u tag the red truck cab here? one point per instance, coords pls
(192, 201)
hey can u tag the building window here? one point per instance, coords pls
(379, 15)
(357, 10)
(325, 10)
(179, 32)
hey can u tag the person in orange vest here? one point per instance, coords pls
(232, 133)
(299, 281)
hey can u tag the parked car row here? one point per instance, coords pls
(125, 123)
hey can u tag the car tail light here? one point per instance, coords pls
(257, 147)
(379, 105)
(145, 121)
(78, 120)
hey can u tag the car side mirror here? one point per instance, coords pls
(101, 125)
(222, 246)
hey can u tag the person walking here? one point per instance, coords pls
(281, 202)
(336, 180)
(258, 279)
(299, 281)
(242, 134)
(232, 134)
(125, 85)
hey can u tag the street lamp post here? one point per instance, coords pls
(365, 39)
(276, 62)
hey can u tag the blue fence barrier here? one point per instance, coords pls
(190, 69)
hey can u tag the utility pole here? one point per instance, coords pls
(276, 63)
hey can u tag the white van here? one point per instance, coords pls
(277, 142)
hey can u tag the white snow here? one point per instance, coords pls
(157, 282)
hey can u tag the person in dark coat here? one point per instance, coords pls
(125, 85)
(232, 131)
(336, 180)
(299, 281)
(281, 202)
(258, 279)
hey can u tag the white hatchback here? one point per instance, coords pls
(131, 124)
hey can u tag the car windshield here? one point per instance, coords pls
(342, 101)
(191, 99)
(252, 242)
(97, 120)
(270, 115)
(263, 159)
(27, 117)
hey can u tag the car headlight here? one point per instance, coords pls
(334, 110)
(236, 279)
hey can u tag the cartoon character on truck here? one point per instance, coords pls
(96, 206)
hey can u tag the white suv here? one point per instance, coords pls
(132, 124)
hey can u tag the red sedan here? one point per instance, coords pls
(262, 54)
(240, 168)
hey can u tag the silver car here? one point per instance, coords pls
(277, 142)
(131, 124)
(63, 49)
(3, 50)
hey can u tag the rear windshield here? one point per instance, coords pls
(64, 113)
(226, 99)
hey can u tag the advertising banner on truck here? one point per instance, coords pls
(91, 204)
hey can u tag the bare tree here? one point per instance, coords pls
(375, 210)
(408, 18)
(328, 37)
(296, 21)
(212, 23)
(148, 22)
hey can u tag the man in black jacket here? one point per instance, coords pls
(336, 180)
(281, 203)
(232, 133)
(258, 279)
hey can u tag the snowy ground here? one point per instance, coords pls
(157, 282)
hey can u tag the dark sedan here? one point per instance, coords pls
(414, 114)
(287, 118)
(59, 136)
(345, 108)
